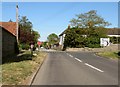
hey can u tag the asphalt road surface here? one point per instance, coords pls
(77, 68)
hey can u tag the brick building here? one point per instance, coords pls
(8, 47)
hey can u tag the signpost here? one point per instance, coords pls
(39, 43)
(31, 46)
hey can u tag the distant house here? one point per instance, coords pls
(62, 36)
(111, 32)
(8, 38)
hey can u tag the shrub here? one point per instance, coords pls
(115, 40)
(24, 46)
(93, 42)
(119, 53)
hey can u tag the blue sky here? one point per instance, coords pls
(54, 17)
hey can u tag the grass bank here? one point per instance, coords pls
(113, 55)
(15, 71)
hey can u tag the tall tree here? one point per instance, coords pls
(89, 20)
(27, 34)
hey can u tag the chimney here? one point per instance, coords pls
(68, 26)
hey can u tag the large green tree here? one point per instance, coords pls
(89, 20)
(52, 39)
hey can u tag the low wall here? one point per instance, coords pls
(112, 47)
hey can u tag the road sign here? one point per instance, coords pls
(104, 41)
(39, 43)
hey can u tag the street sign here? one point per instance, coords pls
(39, 43)
(104, 41)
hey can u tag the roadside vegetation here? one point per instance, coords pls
(113, 55)
(16, 70)
(86, 30)
(27, 35)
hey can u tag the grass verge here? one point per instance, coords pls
(113, 55)
(16, 71)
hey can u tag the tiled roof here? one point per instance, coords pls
(113, 31)
(9, 26)
(110, 31)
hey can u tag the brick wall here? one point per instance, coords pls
(9, 44)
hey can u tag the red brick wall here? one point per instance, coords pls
(8, 44)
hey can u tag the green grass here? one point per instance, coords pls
(113, 55)
(15, 71)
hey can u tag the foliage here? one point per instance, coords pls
(74, 38)
(80, 37)
(93, 42)
(52, 39)
(87, 30)
(27, 35)
(88, 20)
(115, 40)
(24, 46)
(44, 44)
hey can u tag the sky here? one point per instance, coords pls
(54, 17)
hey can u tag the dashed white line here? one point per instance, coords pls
(78, 60)
(93, 67)
(70, 55)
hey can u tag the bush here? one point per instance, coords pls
(24, 46)
(115, 40)
(119, 53)
(93, 42)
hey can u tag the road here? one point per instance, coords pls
(77, 68)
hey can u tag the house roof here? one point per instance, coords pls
(110, 31)
(113, 31)
(9, 26)
(65, 31)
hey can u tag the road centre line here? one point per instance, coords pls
(93, 67)
(86, 63)
(70, 55)
(67, 54)
(78, 60)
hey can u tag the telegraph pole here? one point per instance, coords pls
(17, 23)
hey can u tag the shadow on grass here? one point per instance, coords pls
(117, 54)
(16, 58)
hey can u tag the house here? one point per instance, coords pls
(61, 37)
(9, 45)
(111, 32)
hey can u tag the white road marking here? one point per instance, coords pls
(67, 54)
(70, 55)
(78, 60)
(93, 67)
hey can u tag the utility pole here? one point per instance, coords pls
(17, 23)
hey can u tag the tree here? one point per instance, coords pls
(74, 38)
(52, 39)
(89, 20)
(26, 34)
(35, 36)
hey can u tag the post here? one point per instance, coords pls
(17, 23)
(31, 49)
